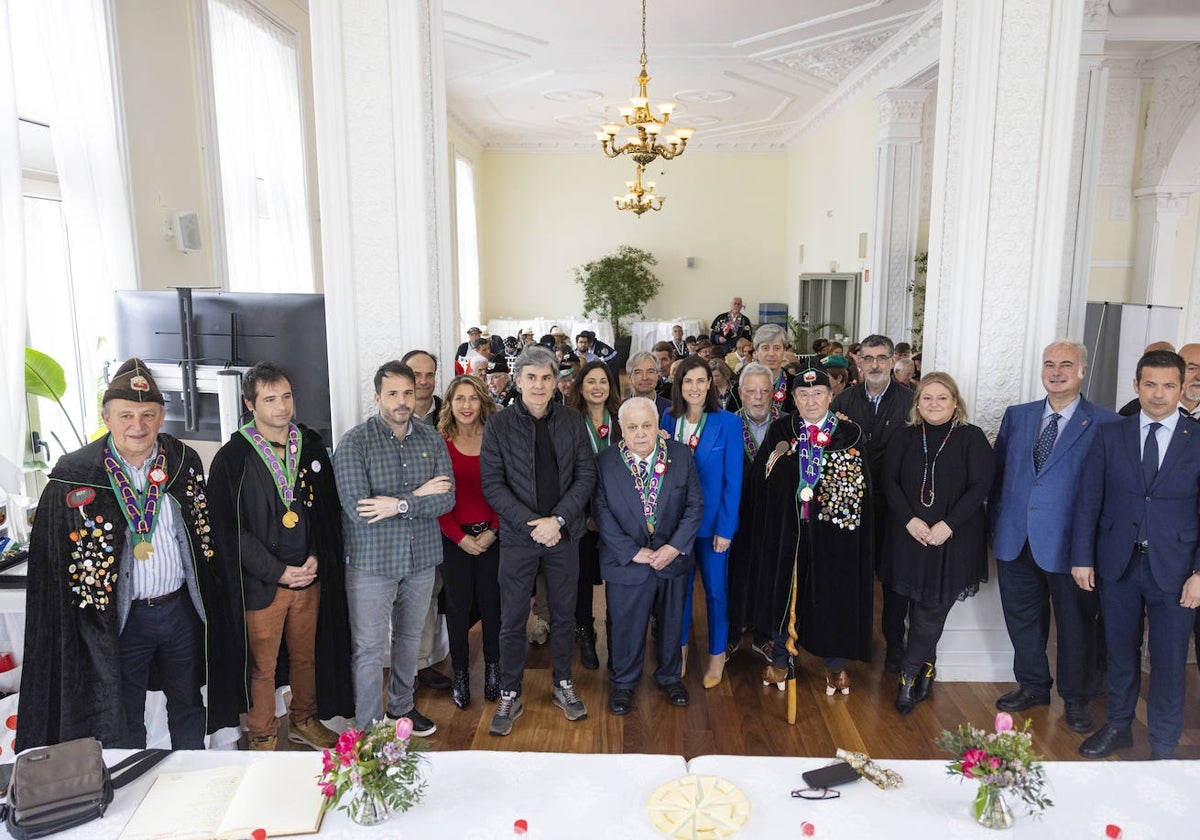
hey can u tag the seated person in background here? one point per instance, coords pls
(690, 341)
(838, 377)
(591, 349)
(462, 360)
(499, 383)
(704, 349)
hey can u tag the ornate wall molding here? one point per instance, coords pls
(834, 61)
(1173, 105)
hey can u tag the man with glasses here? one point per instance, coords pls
(643, 379)
(879, 407)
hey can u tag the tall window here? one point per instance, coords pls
(466, 242)
(260, 149)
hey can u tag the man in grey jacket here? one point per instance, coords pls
(538, 473)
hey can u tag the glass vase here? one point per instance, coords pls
(367, 807)
(991, 808)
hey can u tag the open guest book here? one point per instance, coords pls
(279, 795)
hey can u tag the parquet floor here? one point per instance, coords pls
(743, 717)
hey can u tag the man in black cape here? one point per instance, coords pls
(127, 590)
(275, 506)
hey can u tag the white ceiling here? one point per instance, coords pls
(545, 74)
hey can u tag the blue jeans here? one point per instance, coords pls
(373, 599)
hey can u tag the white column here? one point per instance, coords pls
(1006, 111)
(383, 162)
(887, 307)
(1159, 212)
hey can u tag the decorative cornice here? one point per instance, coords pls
(1175, 103)
(923, 29)
(834, 61)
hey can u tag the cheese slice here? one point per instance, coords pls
(698, 808)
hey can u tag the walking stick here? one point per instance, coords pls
(791, 648)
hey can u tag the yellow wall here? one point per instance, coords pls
(543, 215)
(159, 85)
(831, 194)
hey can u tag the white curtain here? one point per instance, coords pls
(256, 91)
(12, 263)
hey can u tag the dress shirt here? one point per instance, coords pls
(758, 430)
(1064, 417)
(370, 461)
(874, 400)
(162, 572)
(1163, 435)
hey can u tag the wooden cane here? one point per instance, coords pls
(791, 649)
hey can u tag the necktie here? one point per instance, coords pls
(1150, 455)
(1045, 443)
(643, 471)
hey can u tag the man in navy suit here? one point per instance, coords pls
(1040, 454)
(1135, 540)
(648, 506)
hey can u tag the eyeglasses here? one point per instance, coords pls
(875, 359)
(816, 793)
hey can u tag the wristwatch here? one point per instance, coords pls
(562, 523)
(401, 506)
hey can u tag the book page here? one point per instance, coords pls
(279, 794)
(185, 806)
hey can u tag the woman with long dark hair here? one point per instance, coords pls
(471, 553)
(715, 438)
(596, 396)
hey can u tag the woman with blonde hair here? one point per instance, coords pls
(937, 474)
(471, 553)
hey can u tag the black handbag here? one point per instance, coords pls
(64, 785)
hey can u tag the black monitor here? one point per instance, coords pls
(229, 329)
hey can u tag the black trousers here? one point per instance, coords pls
(169, 637)
(470, 580)
(518, 568)
(629, 607)
(925, 625)
(1027, 593)
(589, 576)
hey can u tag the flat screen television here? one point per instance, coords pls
(229, 329)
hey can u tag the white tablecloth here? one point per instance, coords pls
(475, 795)
(647, 333)
(572, 325)
(1148, 800)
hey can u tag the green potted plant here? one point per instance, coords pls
(618, 286)
(45, 378)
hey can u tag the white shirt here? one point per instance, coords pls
(1162, 435)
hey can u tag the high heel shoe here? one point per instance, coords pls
(775, 675)
(924, 681)
(491, 681)
(460, 688)
(905, 699)
(716, 671)
(836, 682)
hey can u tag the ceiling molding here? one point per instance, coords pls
(809, 24)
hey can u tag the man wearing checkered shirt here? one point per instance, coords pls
(394, 480)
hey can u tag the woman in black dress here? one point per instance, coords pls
(937, 474)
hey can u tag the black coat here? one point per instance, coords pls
(248, 514)
(937, 574)
(71, 676)
(830, 554)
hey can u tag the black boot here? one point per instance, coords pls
(491, 681)
(585, 634)
(924, 680)
(905, 699)
(460, 688)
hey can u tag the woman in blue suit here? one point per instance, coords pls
(715, 438)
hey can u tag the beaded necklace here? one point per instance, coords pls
(928, 476)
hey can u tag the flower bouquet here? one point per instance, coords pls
(373, 772)
(1002, 761)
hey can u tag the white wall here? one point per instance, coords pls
(543, 215)
(159, 84)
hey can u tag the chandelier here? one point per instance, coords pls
(639, 199)
(650, 131)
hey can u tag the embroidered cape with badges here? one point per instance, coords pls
(74, 610)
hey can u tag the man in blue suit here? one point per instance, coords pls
(1135, 540)
(1040, 453)
(648, 506)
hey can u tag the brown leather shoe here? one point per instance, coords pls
(837, 683)
(313, 733)
(263, 743)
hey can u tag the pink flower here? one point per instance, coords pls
(329, 789)
(972, 759)
(327, 762)
(404, 728)
(1004, 722)
(347, 746)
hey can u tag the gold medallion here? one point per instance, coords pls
(290, 519)
(143, 550)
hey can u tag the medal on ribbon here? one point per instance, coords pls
(140, 509)
(647, 490)
(598, 436)
(283, 473)
(693, 440)
(810, 445)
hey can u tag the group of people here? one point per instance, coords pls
(789, 496)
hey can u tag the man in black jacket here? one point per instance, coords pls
(880, 406)
(275, 508)
(538, 473)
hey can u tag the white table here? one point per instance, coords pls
(473, 795)
(647, 333)
(1148, 800)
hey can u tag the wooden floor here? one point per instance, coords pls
(743, 717)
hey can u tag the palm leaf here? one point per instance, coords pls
(44, 377)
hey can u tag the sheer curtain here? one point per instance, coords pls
(256, 92)
(12, 263)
